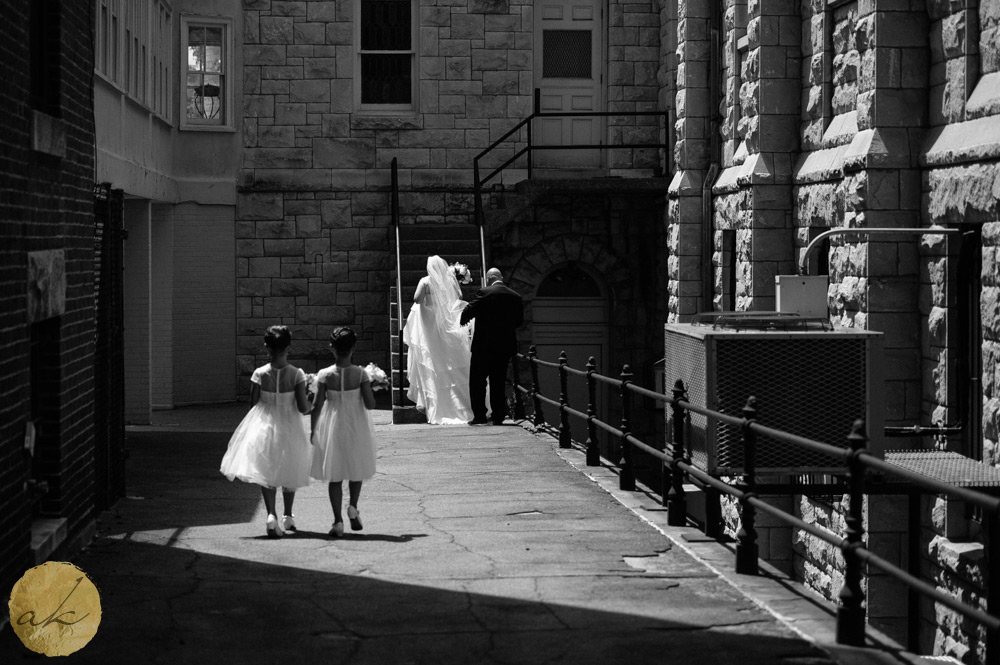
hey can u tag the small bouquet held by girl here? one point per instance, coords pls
(379, 379)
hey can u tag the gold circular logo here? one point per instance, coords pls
(55, 609)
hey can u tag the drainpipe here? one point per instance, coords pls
(707, 240)
(708, 235)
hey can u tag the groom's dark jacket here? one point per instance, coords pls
(498, 312)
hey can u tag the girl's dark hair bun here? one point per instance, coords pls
(343, 339)
(277, 338)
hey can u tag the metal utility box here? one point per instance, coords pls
(809, 378)
(802, 294)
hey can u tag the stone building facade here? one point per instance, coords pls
(314, 242)
(798, 117)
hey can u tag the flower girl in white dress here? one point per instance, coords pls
(270, 446)
(342, 429)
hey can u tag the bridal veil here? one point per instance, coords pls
(440, 348)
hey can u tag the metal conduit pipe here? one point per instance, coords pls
(923, 430)
(934, 230)
(707, 221)
(708, 240)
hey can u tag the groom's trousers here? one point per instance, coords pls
(492, 366)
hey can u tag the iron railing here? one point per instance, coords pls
(110, 452)
(678, 469)
(529, 147)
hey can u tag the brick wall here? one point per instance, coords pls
(161, 311)
(204, 304)
(14, 349)
(46, 203)
(138, 391)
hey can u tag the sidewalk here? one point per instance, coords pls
(481, 545)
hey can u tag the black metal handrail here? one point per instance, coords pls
(850, 611)
(399, 279)
(530, 147)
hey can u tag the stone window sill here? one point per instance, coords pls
(47, 535)
(48, 134)
(960, 142)
(374, 120)
(962, 559)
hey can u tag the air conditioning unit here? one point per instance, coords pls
(809, 378)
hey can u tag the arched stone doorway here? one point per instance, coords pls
(570, 313)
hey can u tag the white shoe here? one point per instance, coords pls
(338, 529)
(288, 523)
(273, 530)
(355, 518)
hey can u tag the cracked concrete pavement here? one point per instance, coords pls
(480, 545)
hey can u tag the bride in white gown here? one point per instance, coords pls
(440, 348)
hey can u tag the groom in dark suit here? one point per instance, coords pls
(498, 311)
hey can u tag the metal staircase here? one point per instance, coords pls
(495, 207)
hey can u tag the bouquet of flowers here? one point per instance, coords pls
(379, 379)
(311, 384)
(462, 273)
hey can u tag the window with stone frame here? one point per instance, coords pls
(207, 73)
(133, 50)
(846, 63)
(967, 327)
(736, 59)
(985, 97)
(727, 264)
(832, 71)
(385, 69)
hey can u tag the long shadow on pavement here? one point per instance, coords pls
(183, 606)
(185, 579)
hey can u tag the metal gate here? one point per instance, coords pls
(109, 346)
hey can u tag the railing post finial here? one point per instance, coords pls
(676, 499)
(851, 611)
(626, 479)
(565, 438)
(538, 419)
(515, 368)
(746, 537)
(593, 446)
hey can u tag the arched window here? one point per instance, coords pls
(569, 281)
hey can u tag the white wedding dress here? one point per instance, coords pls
(439, 348)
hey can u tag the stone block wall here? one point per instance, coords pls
(633, 60)
(313, 218)
(960, 156)
(990, 308)
(956, 188)
(959, 569)
(686, 211)
(876, 146)
(858, 168)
